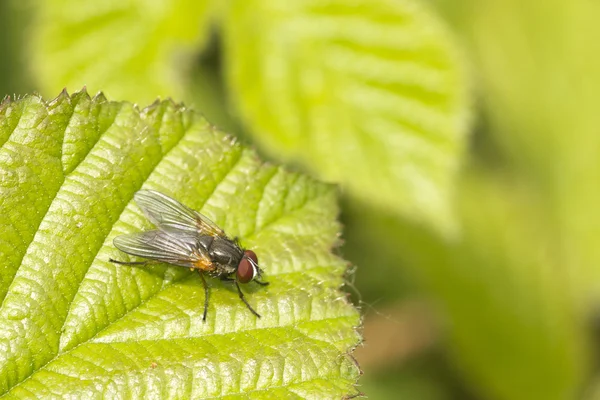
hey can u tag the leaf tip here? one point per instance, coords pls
(62, 96)
(154, 104)
(99, 98)
(81, 95)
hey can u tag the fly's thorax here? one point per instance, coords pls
(226, 253)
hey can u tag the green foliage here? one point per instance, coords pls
(73, 323)
(499, 283)
(368, 94)
(543, 115)
(365, 93)
(135, 49)
(536, 75)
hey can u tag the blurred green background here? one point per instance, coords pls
(464, 136)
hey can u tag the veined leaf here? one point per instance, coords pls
(136, 50)
(73, 323)
(367, 93)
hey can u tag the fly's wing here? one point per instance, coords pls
(158, 245)
(170, 215)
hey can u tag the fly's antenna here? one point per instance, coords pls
(254, 265)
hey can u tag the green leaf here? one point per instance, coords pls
(546, 128)
(72, 323)
(136, 50)
(367, 93)
(514, 330)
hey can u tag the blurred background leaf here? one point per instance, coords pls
(539, 74)
(365, 93)
(134, 50)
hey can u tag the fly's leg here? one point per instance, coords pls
(205, 295)
(261, 283)
(241, 294)
(237, 285)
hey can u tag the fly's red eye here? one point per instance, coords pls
(245, 271)
(252, 255)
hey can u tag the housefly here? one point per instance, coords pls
(188, 239)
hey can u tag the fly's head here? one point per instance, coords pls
(248, 267)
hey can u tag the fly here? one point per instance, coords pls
(188, 239)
